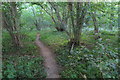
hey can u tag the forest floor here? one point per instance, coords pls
(50, 63)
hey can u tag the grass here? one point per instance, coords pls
(25, 62)
(53, 39)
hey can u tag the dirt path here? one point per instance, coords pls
(50, 64)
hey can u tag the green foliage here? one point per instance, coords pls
(25, 62)
(107, 14)
(91, 64)
(22, 67)
(27, 39)
(54, 38)
(99, 62)
(31, 13)
(7, 43)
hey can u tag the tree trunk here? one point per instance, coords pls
(60, 22)
(96, 30)
(111, 21)
(95, 23)
(77, 27)
(10, 22)
(16, 36)
(56, 23)
(36, 21)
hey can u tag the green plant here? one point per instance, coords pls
(25, 62)
(23, 67)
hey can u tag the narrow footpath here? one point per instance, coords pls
(50, 64)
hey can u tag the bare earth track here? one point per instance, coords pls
(50, 64)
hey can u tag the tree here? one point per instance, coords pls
(11, 22)
(96, 30)
(61, 22)
(37, 19)
(77, 20)
(52, 9)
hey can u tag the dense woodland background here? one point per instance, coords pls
(84, 36)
